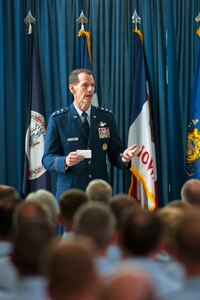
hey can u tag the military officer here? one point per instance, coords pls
(66, 134)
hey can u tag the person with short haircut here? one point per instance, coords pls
(27, 211)
(71, 272)
(8, 273)
(170, 217)
(48, 201)
(8, 191)
(30, 240)
(130, 283)
(141, 237)
(82, 126)
(178, 203)
(69, 202)
(188, 253)
(95, 220)
(120, 202)
(190, 192)
(99, 190)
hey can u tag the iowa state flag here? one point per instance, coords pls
(35, 175)
(144, 174)
(193, 136)
(86, 55)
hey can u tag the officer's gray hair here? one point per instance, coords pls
(73, 77)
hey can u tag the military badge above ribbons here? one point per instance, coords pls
(104, 132)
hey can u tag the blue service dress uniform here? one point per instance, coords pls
(65, 133)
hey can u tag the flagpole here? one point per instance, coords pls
(140, 190)
(29, 20)
(197, 19)
(136, 19)
(82, 20)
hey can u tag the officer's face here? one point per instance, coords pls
(83, 91)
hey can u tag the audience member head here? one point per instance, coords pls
(28, 211)
(48, 201)
(8, 191)
(190, 192)
(99, 190)
(170, 218)
(188, 242)
(130, 283)
(95, 220)
(141, 232)
(119, 203)
(180, 204)
(69, 202)
(29, 242)
(70, 270)
(7, 208)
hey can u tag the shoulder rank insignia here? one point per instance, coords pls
(61, 111)
(104, 109)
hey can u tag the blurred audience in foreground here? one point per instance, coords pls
(99, 190)
(190, 192)
(69, 202)
(95, 220)
(141, 241)
(188, 253)
(8, 273)
(130, 283)
(112, 248)
(47, 200)
(29, 242)
(70, 270)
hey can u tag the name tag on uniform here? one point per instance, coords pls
(104, 132)
(73, 139)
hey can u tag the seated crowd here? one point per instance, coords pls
(109, 248)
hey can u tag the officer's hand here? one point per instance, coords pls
(73, 158)
(128, 154)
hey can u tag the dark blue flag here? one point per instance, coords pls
(86, 55)
(193, 136)
(35, 175)
(85, 49)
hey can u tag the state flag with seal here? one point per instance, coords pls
(35, 175)
(144, 173)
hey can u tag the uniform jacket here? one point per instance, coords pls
(65, 133)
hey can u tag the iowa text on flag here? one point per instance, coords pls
(144, 174)
(35, 175)
(193, 135)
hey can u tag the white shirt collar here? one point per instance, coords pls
(88, 111)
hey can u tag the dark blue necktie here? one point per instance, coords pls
(85, 123)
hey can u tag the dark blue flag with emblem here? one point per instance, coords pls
(193, 135)
(35, 175)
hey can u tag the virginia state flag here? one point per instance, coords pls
(144, 174)
(86, 55)
(193, 136)
(35, 175)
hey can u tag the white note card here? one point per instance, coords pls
(85, 153)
